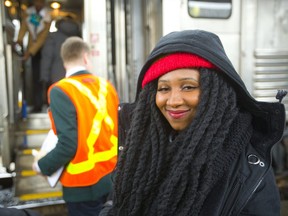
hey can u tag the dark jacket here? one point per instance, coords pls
(52, 68)
(250, 188)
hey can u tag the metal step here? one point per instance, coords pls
(28, 184)
(36, 121)
(30, 189)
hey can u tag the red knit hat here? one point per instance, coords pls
(172, 62)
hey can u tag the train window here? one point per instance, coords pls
(217, 9)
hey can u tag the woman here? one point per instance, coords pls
(197, 143)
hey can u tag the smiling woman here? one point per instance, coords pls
(184, 142)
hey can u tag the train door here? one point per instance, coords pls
(95, 33)
(11, 86)
(110, 36)
(104, 29)
(3, 94)
(133, 28)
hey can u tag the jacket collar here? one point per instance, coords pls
(74, 70)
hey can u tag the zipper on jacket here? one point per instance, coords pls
(251, 194)
(256, 187)
(229, 204)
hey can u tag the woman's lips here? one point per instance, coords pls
(177, 114)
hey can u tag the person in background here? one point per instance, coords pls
(52, 68)
(36, 20)
(84, 116)
(195, 142)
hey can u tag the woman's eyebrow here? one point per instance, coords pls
(180, 79)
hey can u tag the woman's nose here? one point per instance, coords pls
(175, 99)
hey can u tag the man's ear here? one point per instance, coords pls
(86, 58)
(65, 66)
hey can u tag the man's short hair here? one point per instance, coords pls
(73, 48)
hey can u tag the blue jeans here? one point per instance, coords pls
(89, 208)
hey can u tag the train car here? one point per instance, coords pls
(121, 33)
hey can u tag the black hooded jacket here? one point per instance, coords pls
(269, 118)
(251, 189)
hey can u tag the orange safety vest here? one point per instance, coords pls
(96, 104)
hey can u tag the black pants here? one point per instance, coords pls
(37, 85)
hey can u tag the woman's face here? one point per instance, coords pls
(178, 95)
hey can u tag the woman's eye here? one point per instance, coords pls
(162, 89)
(189, 87)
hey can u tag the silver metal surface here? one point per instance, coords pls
(33, 141)
(37, 121)
(24, 162)
(35, 187)
(10, 83)
(3, 84)
(48, 202)
(270, 74)
(6, 147)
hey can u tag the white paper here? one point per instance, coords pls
(54, 178)
(49, 144)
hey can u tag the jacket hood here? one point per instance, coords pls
(204, 44)
(208, 46)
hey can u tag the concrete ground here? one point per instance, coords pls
(284, 208)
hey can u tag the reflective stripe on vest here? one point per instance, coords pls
(102, 114)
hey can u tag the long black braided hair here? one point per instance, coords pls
(156, 176)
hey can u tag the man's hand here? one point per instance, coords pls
(26, 56)
(37, 156)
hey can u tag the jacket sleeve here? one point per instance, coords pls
(266, 199)
(65, 119)
(23, 29)
(41, 37)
